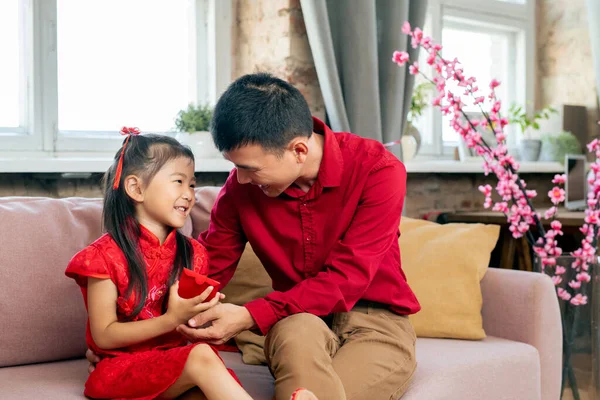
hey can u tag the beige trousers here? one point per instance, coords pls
(365, 354)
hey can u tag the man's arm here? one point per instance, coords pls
(224, 239)
(353, 262)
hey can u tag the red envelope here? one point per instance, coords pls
(192, 284)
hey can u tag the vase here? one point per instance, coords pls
(529, 149)
(201, 144)
(580, 368)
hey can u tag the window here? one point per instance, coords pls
(74, 72)
(11, 66)
(491, 39)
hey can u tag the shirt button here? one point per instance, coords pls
(308, 238)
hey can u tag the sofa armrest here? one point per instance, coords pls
(523, 306)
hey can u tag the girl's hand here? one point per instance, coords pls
(181, 310)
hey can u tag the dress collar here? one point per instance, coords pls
(151, 247)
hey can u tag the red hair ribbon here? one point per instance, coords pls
(128, 132)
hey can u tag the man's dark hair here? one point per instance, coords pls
(260, 109)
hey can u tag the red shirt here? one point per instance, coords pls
(325, 249)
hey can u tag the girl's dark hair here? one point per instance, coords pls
(144, 156)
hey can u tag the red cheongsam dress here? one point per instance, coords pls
(143, 370)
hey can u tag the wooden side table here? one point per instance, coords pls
(510, 252)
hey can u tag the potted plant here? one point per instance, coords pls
(411, 138)
(193, 126)
(556, 146)
(529, 147)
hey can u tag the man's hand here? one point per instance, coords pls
(93, 359)
(227, 320)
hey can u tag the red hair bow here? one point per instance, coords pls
(128, 132)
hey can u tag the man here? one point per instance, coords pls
(321, 210)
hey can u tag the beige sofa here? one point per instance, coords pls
(42, 318)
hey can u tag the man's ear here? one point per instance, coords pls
(134, 188)
(299, 146)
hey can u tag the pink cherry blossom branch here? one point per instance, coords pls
(521, 214)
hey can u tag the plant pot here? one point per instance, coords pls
(529, 149)
(412, 131)
(201, 144)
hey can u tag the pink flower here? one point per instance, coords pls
(406, 28)
(417, 36)
(531, 193)
(486, 190)
(414, 68)
(559, 179)
(557, 195)
(563, 294)
(479, 100)
(575, 284)
(494, 84)
(400, 57)
(579, 300)
(593, 145)
(560, 270)
(583, 277)
(550, 212)
(557, 280)
(431, 58)
(556, 225)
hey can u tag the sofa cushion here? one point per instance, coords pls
(491, 369)
(447, 369)
(444, 265)
(43, 316)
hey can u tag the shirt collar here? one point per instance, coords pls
(332, 164)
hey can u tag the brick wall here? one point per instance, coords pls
(565, 72)
(452, 192)
(270, 36)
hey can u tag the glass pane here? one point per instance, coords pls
(122, 63)
(10, 67)
(486, 57)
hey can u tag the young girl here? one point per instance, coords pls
(129, 281)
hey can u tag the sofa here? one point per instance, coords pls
(42, 318)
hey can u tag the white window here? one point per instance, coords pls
(74, 72)
(491, 39)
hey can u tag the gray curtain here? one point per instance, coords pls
(593, 12)
(352, 43)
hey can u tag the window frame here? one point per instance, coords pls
(40, 138)
(508, 17)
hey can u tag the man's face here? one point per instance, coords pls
(271, 172)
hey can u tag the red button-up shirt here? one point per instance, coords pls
(325, 249)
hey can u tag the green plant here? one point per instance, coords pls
(517, 115)
(419, 101)
(556, 146)
(194, 119)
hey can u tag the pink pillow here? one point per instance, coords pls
(43, 317)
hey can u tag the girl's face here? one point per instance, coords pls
(166, 201)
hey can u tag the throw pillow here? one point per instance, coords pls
(444, 265)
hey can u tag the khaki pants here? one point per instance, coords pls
(365, 354)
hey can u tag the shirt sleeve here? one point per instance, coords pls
(88, 263)
(353, 261)
(200, 258)
(224, 239)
